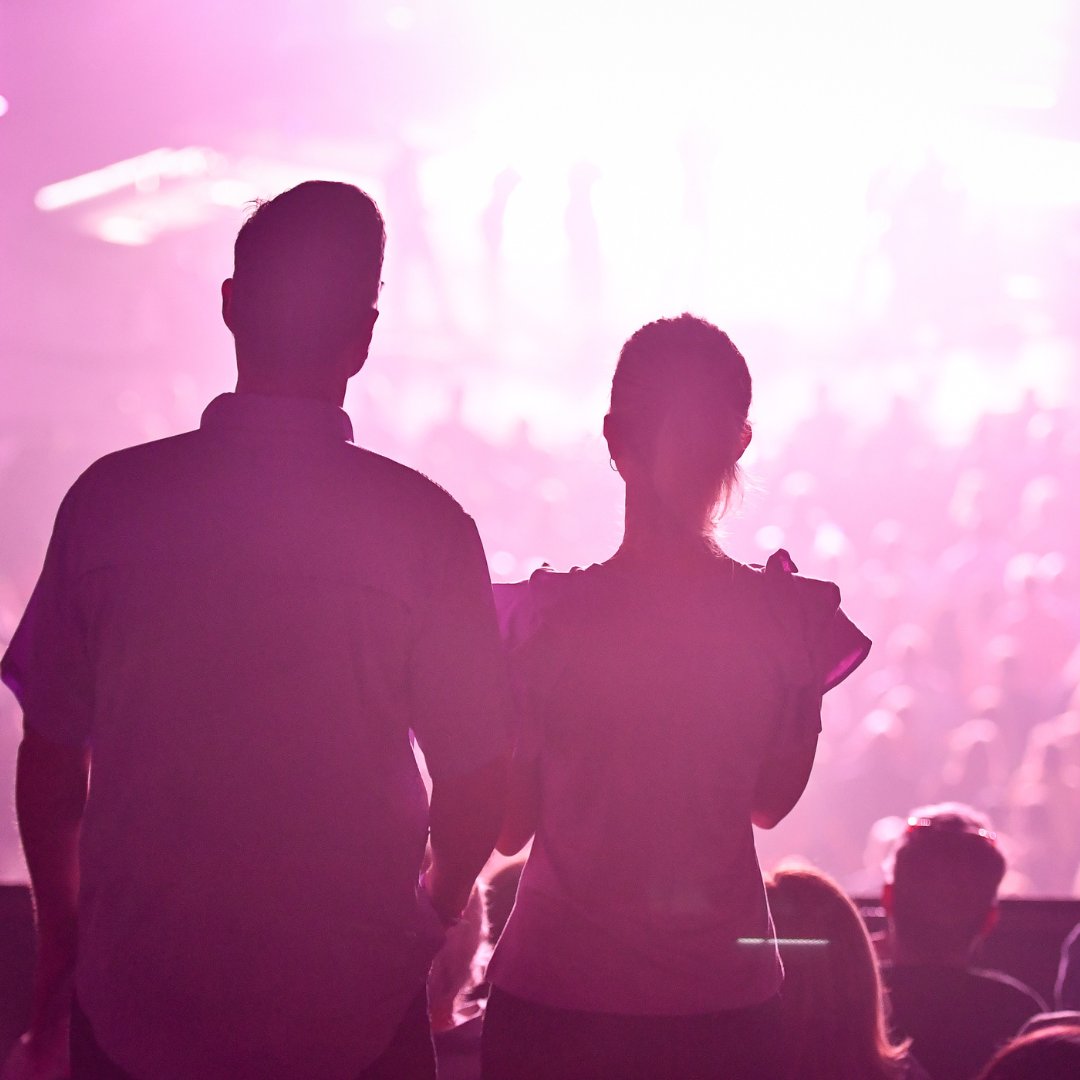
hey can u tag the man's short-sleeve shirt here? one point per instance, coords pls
(244, 623)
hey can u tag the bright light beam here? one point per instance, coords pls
(156, 164)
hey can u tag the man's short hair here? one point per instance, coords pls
(307, 269)
(945, 872)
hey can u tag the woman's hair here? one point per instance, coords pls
(680, 398)
(1049, 1053)
(834, 1018)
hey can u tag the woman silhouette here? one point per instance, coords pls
(670, 699)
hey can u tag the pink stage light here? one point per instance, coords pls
(137, 172)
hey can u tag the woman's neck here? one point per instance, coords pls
(652, 535)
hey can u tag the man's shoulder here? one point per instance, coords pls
(989, 988)
(160, 455)
(1004, 988)
(409, 487)
(134, 463)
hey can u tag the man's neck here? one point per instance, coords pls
(327, 390)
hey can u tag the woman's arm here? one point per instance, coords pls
(786, 769)
(522, 806)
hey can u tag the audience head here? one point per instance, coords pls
(834, 1018)
(941, 885)
(678, 419)
(306, 282)
(1048, 1053)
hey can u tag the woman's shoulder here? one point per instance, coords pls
(780, 582)
(521, 606)
(807, 615)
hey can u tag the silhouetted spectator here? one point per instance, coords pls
(671, 700)
(1051, 1053)
(941, 901)
(833, 1015)
(234, 632)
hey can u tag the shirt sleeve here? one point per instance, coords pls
(519, 625)
(825, 646)
(461, 702)
(47, 666)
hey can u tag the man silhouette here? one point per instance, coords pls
(238, 628)
(940, 897)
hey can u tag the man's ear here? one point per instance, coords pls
(358, 353)
(226, 301)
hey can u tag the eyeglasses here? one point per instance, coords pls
(951, 826)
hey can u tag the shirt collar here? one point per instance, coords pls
(261, 413)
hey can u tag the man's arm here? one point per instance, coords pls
(466, 814)
(51, 783)
(522, 806)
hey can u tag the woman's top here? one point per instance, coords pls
(649, 705)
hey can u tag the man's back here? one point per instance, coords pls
(245, 622)
(956, 1017)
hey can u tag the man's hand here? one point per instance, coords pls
(50, 792)
(466, 812)
(447, 900)
(30, 1059)
(42, 1053)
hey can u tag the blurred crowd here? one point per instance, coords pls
(960, 561)
(963, 564)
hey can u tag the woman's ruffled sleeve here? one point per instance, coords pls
(826, 646)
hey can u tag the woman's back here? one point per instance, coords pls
(651, 701)
(671, 699)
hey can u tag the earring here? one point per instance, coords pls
(614, 467)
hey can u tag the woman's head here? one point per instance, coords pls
(678, 420)
(1049, 1053)
(832, 1000)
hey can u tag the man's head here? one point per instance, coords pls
(301, 303)
(941, 883)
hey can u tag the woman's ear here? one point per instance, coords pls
(745, 436)
(613, 437)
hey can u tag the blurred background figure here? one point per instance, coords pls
(940, 898)
(833, 1011)
(1050, 1053)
